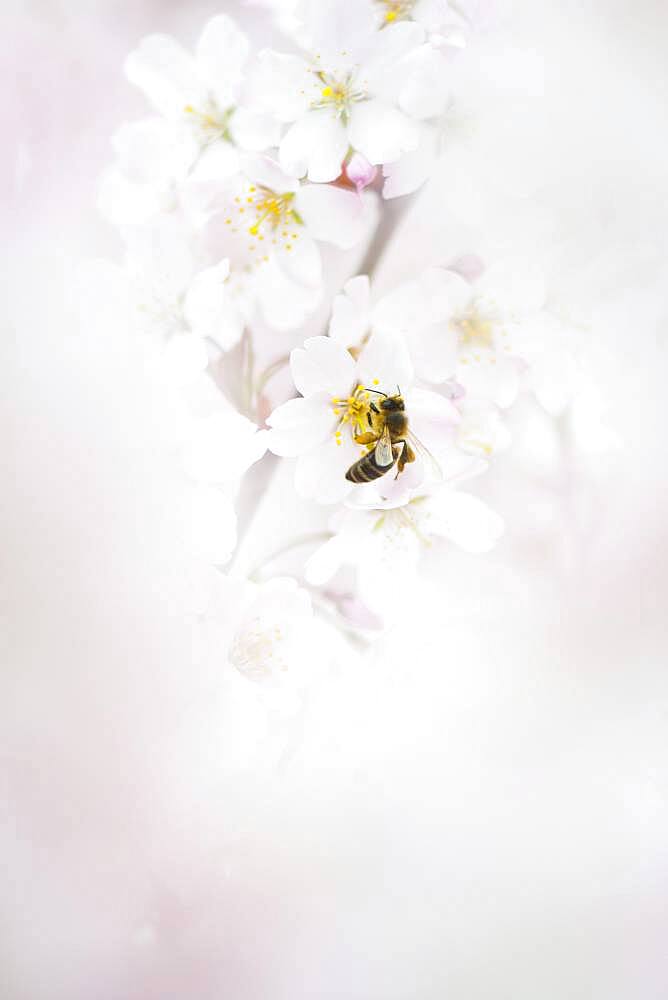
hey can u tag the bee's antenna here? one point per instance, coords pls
(377, 391)
(398, 391)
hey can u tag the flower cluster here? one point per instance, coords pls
(245, 202)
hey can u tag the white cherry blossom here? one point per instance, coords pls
(320, 426)
(202, 93)
(264, 635)
(274, 214)
(490, 335)
(174, 294)
(447, 22)
(385, 545)
(270, 225)
(200, 126)
(360, 89)
(216, 445)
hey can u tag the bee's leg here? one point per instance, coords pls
(367, 438)
(407, 455)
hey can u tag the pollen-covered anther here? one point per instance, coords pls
(211, 121)
(476, 334)
(352, 411)
(396, 10)
(338, 94)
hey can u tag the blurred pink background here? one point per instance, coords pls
(480, 810)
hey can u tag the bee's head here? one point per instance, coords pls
(392, 403)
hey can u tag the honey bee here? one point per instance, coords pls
(388, 431)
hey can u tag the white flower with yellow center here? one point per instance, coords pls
(361, 90)
(269, 225)
(267, 632)
(320, 426)
(447, 22)
(201, 126)
(385, 546)
(491, 335)
(176, 293)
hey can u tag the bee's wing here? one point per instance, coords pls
(383, 453)
(430, 463)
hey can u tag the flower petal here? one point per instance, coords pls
(498, 382)
(332, 214)
(254, 130)
(412, 169)
(166, 73)
(385, 363)
(210, 310)
(221, 54)
(326, 560)
(316, 145)
(465, 520)
(298, 425)
(217, 162)
(425, 93)
(264, 170)
(351, 312)
(155, 151)
(222, 446)
(512, 287)
(434, 351)
(284, 304)
(360, 172)
(321, 473)
(381, 132)
(279, 84)
(300, 259)
(322, 365)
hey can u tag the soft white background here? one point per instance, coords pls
(477, 809)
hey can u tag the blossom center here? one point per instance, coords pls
(351, 411)
(274, 221)
(338, 94)
(480, 337)
(211, 122)
(396, 10)
(474, 331)
(256, 649)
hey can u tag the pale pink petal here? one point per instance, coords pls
(425, 92)
(381, 132)
(465, 520)
(315, 145)
(298, 425)
(166, 73)
(385, 363)
(322, 365)
(351, 312)
(512, 287)
(360, 172)
(221, 54)
(209, 309)
(498, 382)
(321, 474)
(434, 350)
(386, 68)
(280, 84)
(332, 214)
(409, 172)
(254, 130)
(300, 259)
(284, 304)
(266, 171)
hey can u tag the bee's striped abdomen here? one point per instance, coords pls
(366, 469)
